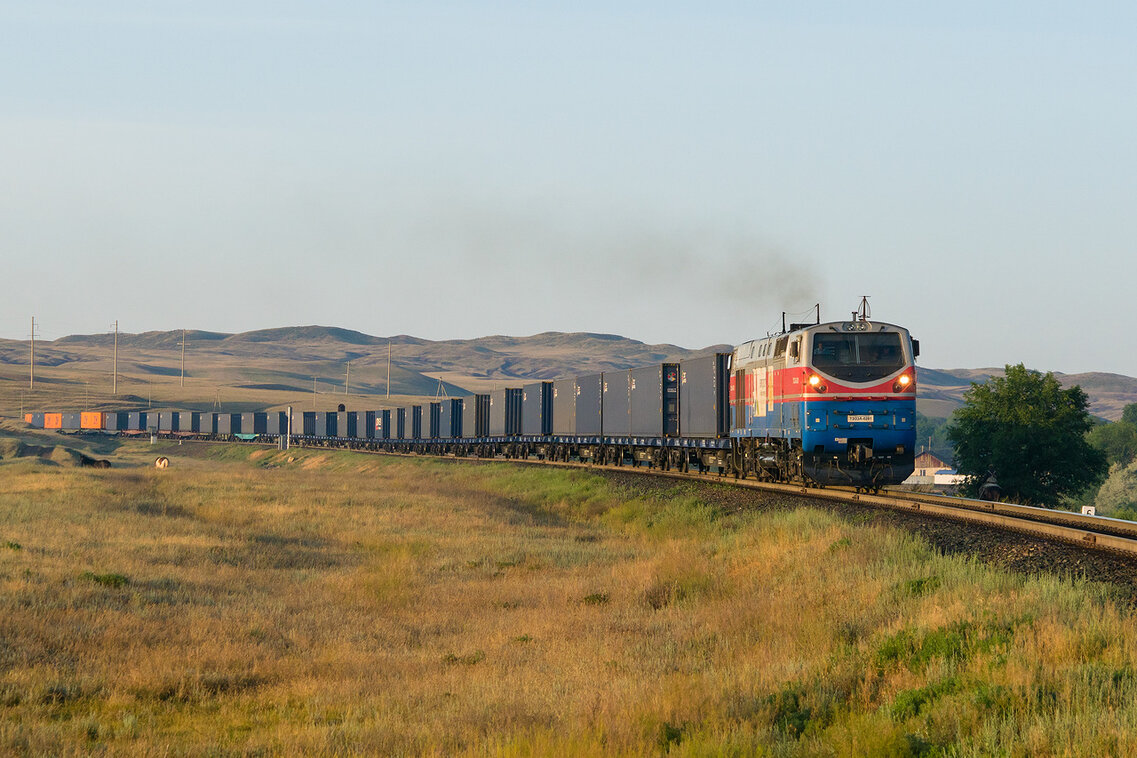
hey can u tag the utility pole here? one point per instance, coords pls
(388, 369)
(32, 362)
(114, 381)
(347, 382)
(183, 357)
(313, 393)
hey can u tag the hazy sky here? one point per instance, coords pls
(672, 172)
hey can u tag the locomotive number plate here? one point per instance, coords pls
(860, 419)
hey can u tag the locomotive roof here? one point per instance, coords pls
(835, 326)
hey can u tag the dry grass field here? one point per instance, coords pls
(257, 602)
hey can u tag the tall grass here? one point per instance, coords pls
(329, 603)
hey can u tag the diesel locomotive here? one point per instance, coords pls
(816, 404)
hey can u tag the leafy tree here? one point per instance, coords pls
(1117, 441)
(931, 434)
(1031, 433)
(1129, 414)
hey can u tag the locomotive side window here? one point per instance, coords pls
(780, 347)
(858, 357)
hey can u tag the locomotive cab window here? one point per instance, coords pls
(858, 357)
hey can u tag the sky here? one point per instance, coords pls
(672, 172)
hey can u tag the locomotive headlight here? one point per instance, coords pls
(902, 383)
(815, 383)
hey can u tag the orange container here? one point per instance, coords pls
(27, 418)
(53, 421)
(90, 420)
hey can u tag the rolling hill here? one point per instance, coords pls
(309, 366)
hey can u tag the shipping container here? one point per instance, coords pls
(367, 424)
(505, 412)
(416, 422)
(564, 407)
(308, 423)
(188, 421)
(208, 423)
(90, 420)
(476, 416)
(704, 396)
(450, 418)
(228, 423)
(53, 421)
(72, 421)
(35, 419)
(115, 421)
(276, 423)
(653, 393)
(537, 409)
(136, 421)
(401, 423)
(589, 405)
(167, 421)
(616, 412)
(431, 419)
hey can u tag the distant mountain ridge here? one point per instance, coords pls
(288, 358)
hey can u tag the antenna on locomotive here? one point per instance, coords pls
(863, 311)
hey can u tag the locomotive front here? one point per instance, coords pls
(858, 403)
(830, 403)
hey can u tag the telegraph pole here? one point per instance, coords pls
(114, 381)
(388, 369)
(183, 357)
(32, 362)
(313, 393)
(347, 382)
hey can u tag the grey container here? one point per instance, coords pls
(537, 409)
(450, 418)
(654, 400)
(135, 421)
(167, 421)
(367, 425)
(616, 406)
(476, 416)
(416, 422)
(276, 423)
(72, 421)
(248, 423)
(37, 420)
(225, 423)
(114, 421)
(400, 423)
(208, 423)
(704, 396)
(499, 413)
(589, 405)
(564, 407)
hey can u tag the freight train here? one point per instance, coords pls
(817, 404)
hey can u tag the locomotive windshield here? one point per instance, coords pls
(858, 357)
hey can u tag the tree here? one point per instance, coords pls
(1031, 433)
(1118, 441)
(1129, 414)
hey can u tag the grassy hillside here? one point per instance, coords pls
(271, 368)
(303, 366)
(327, 603)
